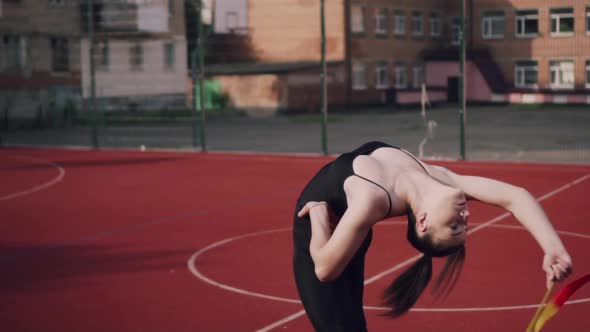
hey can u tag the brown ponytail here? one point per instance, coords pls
(404, 291)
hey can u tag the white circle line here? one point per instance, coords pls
(192, 267)
(198, 274)
(58, 178)
(468, 309)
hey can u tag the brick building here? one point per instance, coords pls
(381, 51)
(542, 48)
(140, 55)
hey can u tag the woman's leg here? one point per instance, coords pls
(337, 305)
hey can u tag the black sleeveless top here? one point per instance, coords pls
(328, 183)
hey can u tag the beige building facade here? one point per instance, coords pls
(140, 55)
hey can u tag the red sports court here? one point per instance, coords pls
(173, 241)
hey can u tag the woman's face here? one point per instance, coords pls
(448, 219)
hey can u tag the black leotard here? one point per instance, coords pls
(337, 305)
(328, 184)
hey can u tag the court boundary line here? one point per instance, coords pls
(491, 163)
(187, 149)
(199, 275)
(480, 309)
(416, 257)
(61, 174)
(195, 271)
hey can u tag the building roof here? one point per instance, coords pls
(252, 68)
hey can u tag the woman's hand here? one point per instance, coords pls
(308, 206)
(558, 265)
(321, 213)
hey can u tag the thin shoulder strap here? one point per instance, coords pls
(380, 186)
(418, 161)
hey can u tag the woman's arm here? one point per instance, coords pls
(331, 251)
(525, 208)
(321, 225)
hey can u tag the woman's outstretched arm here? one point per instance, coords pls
(557, 263)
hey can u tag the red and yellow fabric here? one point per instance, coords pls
(558, 301)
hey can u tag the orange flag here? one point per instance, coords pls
(557, 302)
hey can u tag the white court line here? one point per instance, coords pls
(410, 260)
(477, 309)
(198, 274)
(181, 150)
(45, 185)
(191, 266)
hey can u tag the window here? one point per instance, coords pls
(417, 24)
(169, 56)
(588, 20)
(492, 25)
(562, 74)
(381, 18)
(526, 74)
(56, 3)
(527, 23)
(418, 75)
(102, 56)
(357, 19)
(13, 53)
(456, 31)
(562, 21)
(136, 57)
(400, 76)
(60, 55)
(435, 25)
(231, 21)
(399, 23)
(588, 74)
(359, 75)
(171, 7)
(381, 75)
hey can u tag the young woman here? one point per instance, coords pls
(338, 207)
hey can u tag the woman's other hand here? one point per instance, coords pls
(557, 264)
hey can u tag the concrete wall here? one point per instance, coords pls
(265, 94)
(415, 97)
(153, 79)
(38, 107)
(257, 94)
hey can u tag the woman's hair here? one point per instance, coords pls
(405, 290)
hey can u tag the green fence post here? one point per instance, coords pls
(199, 88)
(324, 92)
(462, 94)
(92, 101)
(194, 108)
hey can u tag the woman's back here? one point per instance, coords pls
(328, 183)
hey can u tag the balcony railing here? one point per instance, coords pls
(123, 17)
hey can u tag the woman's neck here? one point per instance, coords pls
(415, 187)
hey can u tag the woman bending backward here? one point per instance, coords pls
(335, 213)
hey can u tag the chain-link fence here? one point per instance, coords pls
(125, 73)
